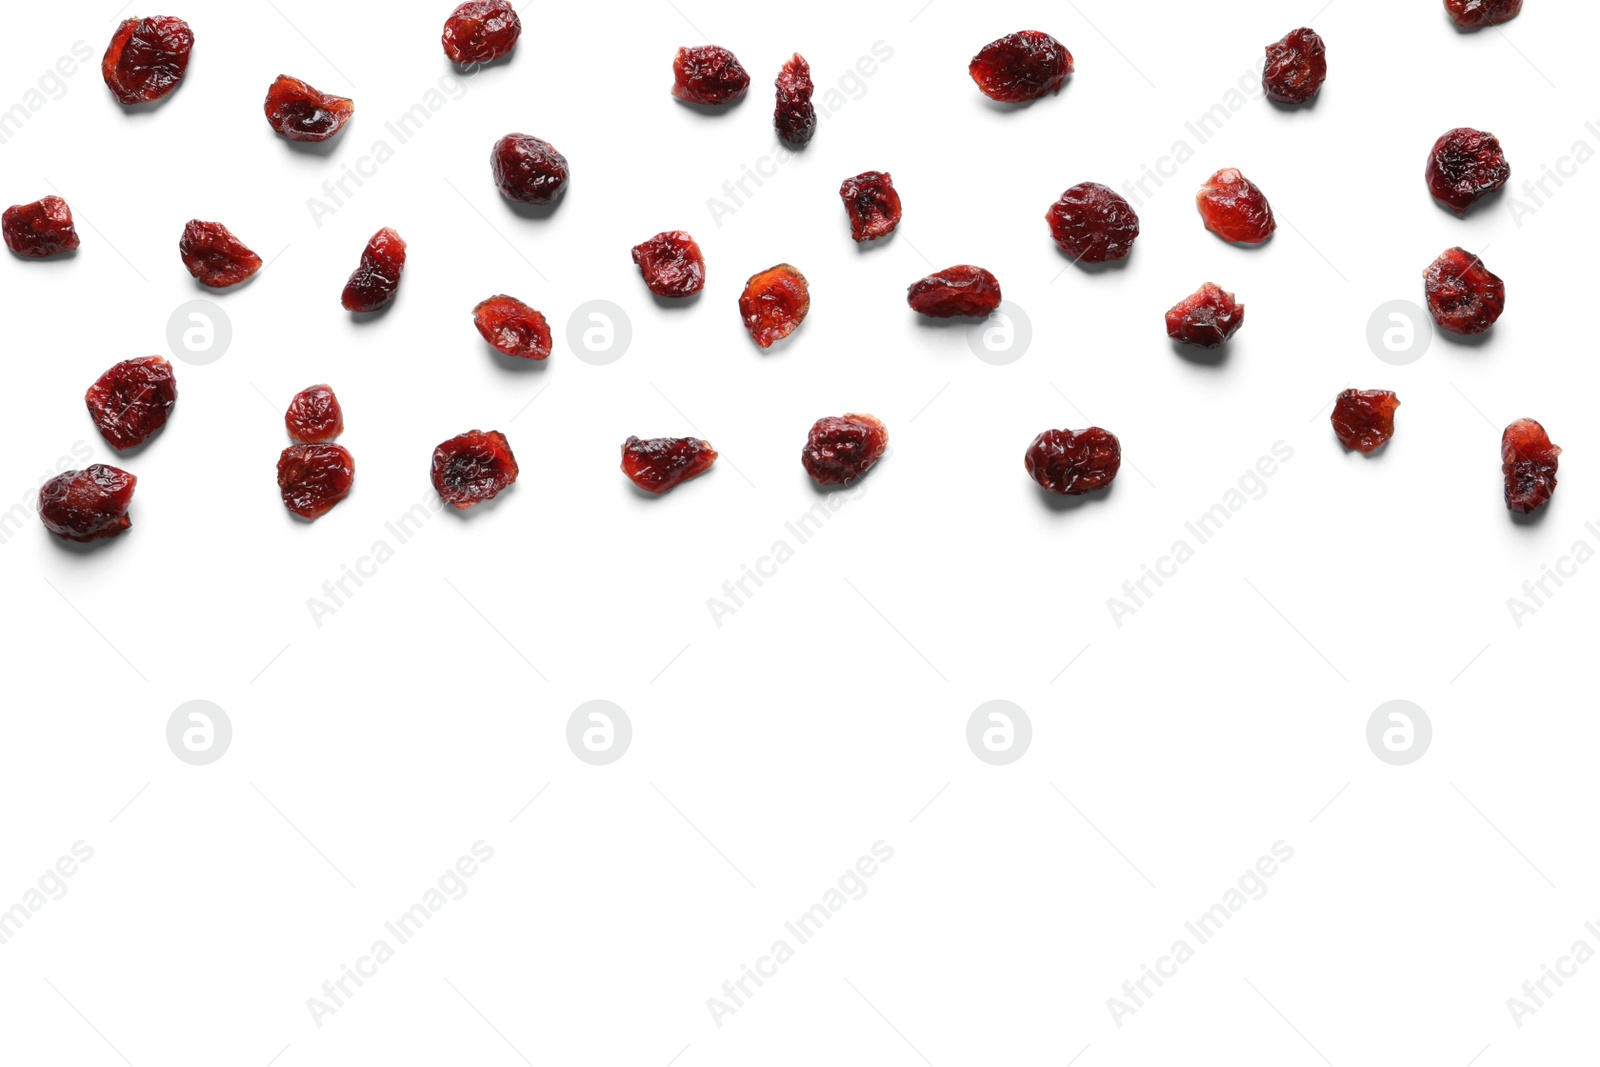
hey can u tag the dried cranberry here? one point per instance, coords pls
(1296, 67)
(662, 463)
(1463, 295)
(1234, 209)
(300, 113)
(1021, 66)
(1464, 166)
(872, 204)
(42, 228)
(1093, 224)
(481, 31)
(528, 170)
(512, 327)
(87, 505)
(214, 255)
(795, 118)
(964, 290)
(375, 281)
(146, 58)
(1207, 319)
(841, 449)
(1364, 418)
(1074, 462)
(708, 75)
(774, 303)
(313, 478)
(473, 467)
(671, 264)
(1528, 461)
(1476, 14)
(132, 400)
(314, 415)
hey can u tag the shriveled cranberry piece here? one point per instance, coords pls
(1296, 67)
(1463, 295)
(1093, 224)
(314, 415)
(796, 117)
(146, 58)
(300, 113)
(1476, 14)
(872, 203)
(671, 264)
(708, 75)
(840, 449)
(87, 505)
(964, 290)
(774, 304)
(1528, 461)
(1074, 462)
(1364, 418)
(1464, 166)
(1207, 318)
(660, 463)
(1235, 209)
(512, 327)
(313, 478)
(375, 281)
(42, 228)
(481, 31)
(132, 400)
(528, 170)
(214, 255)
(473, 467)
(1021, 66)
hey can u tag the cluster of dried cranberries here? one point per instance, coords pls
(314, 474)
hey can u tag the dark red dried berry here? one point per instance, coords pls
(964, 290)
(1296, 67)
(671, 264)
(1235, 209)
(841, 449)
(214, 255)
(480, 31)
(1476, 14)
(146, 58)
(1207, 318)
(1021, 66)
(528, 170)
(375, 281)
(1528, 461)
(300, 113)
(660, 463)
(1463, 295)
(87, 505)
(1093, 224)
(795, 118)
(314, 415)
(313, 478)
(473, 467)
(42, 228)
(1364, 418)
(1074, 462)
(512, 327)
(708, 75)
(132, 400)
(1464, 166)
(774, 304)
(872, 203)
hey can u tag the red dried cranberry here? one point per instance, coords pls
(1364, 418)
(314, 415)
(1296, 67)
(708, 75)
(146, 58)
(671, 264)
(661, 463)
(481, 31)
(528, 170)
(132, 400)
(313, 478)
(512, 327)
(214, 255)
(300, 113)
(1074, 462)
(964, 290)
(1476, 14)
(1463, 295)
(87, 505)
(841, 449)
(1234, 209)
(1021, 66)
(42, 228)
(1093, 224)
(375, 281)
(1464, 166)
(1207, 318)
(872, 204)
(774, 303)
(1528, 461)
(473, 467)
(795, 118)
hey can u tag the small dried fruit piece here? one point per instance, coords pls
(774, 304)
(313, 478)
(1074, 462)
(671, 264)
(872, 204)
(1528, 461)
(42, 228)
(841, 449)
(300, 113)
(214, 255)
(1464, 166)
(374, 283)
(660, 463)
(473, 467)
(480, 31)
(132, 400)
(1476, 14)
(795, 118)
(708, 75)
(1296, 67)
(512, 327)
(1235, 209)
(1208, 318)
(1463, 295)
(528, 170)
(1364, 418)
(1093, 224)
(146, 58)
(964, 290)
(87, 505)
(1021, 66)
(314, 415)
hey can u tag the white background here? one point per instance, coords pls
(768, 754)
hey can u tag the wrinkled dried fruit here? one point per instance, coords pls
(661, 463)
(473, 467)
(1528, 461)
(1296, 67)
(300, 113)
(1464, 166)
(1463, 295)
(146, 58)
(87, 505)
(313, 478)
(795, 118)
(840, 450)
(774, 304)
(1021, 66)
(1207, 318)
(964, 290)
(1364, 418)
(671, 264)
(1235, 209)
(1093, 224)
(1074, 462)
(42, 228)
(1476, 14)
(314, 415)
(708, 75)
(480, 31)
(132, 400)
(528, 170)
(214, 255)
(512, 327)
(872, 204)
(374, 283)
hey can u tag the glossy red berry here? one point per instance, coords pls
(1476, 14)
(1463, 295)
(1364, 418)
(313, 478)
(481, 31)
(473, 467)
(528, 170)
(87, 505)
(314, 415)
(132, 400)
(300, 113)
(1528, 462)
(873, 205)
(215, 257)
(42, 228)
(955, 291)
(1464, 166)
(147, 58)
(774, 304)
(1074, 462)
(1206, 319)
(1021, 66)
(1296, 67)
(512, 327)
(376, 279)
(795, 118)
(1093, 224)
(1234, 209)
(672, 264)
(661, 463)
(708, 75)
(841, 449)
